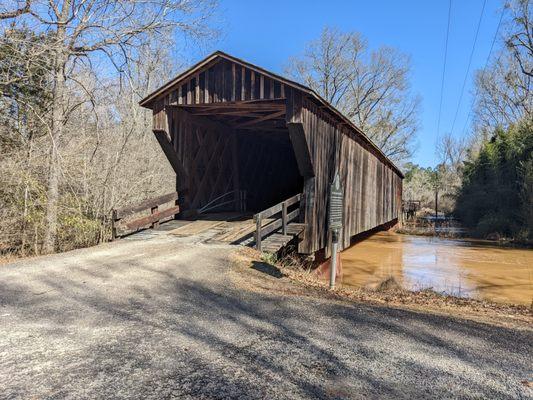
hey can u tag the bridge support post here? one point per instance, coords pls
(284, 218)
(258, 222)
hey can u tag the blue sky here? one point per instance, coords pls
(267, 33)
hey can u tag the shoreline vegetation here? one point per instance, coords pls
(458, 233)
(291, 276)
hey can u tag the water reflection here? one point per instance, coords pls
(457, 267)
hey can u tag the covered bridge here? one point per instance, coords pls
(243, 139)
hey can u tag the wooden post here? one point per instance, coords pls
(153, 210)
(113, 226)
(284, 217)
(258, 223)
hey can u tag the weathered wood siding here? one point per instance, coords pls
(372, 189)
(322, 138)
(224, 81)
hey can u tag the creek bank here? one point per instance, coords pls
(285, 277)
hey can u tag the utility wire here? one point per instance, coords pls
(469, 64)
(444, 66)
(484, 69)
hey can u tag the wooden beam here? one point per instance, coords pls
(261, 119)
(173, 158)
(236, 105)
(263, 101)
(301, 149)
(294, 106)
(155, 217)
(183, 115)
(243, 113)
(293, 118)
(150, 203)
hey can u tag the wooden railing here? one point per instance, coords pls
(151, 220)
(282, 221)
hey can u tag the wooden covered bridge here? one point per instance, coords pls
(247, 142)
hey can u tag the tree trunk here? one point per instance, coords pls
(26, 196)
(50, 234)
(58, 116)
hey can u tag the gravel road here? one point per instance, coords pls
(160, 317)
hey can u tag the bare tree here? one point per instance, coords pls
(94, 38)
(520, 41)
(452, 151)
(504, 95)
(504, 92)
(14, 10)
(369, 87)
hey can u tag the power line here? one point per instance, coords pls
(484, 68)
(469, 64)
(444, 66)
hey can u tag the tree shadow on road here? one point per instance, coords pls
(268, 269)
(154, 331)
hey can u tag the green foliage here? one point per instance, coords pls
(25, 85)
(497, 190)
(77, 226)
(269, 258)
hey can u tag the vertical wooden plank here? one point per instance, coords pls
(201, 84)
(228, 78)
(258, 223)
(180, 95)
(266, 88)
(277, 90)
(284, 218)
(189, 92)
(262, 87)
(247, 84)
(207, 85)
(252, 85)
(197, 89)
(216, 80)
(233, 81)
(243, 91)
(238, 84)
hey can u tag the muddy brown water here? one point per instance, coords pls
(457, 267)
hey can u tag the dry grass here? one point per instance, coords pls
(253, 273)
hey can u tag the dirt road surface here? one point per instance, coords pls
(160, 317)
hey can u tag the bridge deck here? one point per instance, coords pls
(230, 228)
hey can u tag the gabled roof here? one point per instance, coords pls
(146, 102)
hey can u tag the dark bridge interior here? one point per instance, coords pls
(265, 160)
(268, 169)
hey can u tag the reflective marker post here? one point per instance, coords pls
(335, 224)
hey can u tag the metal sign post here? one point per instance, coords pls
(335, 224)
